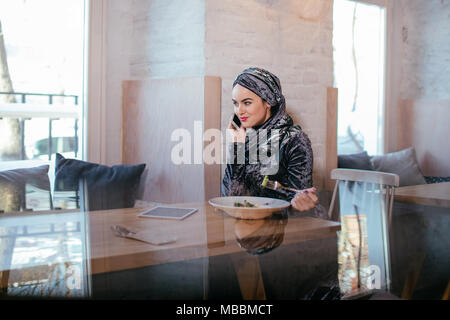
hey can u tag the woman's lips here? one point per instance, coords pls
(243, 119)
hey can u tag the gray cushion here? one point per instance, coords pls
(26, 188)
(404, 163)
(37, 176)
(359, 161)
(106, 187)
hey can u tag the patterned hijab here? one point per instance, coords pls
(267, 86)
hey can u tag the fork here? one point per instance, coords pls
(276, 186)
(122, 231)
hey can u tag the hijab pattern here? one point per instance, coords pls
(245, 179)
(267, 86)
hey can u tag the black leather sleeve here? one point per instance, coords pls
(299, 160)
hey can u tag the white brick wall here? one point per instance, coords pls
(426, 49)
(419, 54)
(163, 38)
(167, 38)
(270, 34)
(148, 39)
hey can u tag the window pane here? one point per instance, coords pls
(42, 78)
(358, 41)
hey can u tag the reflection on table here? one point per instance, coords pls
(44, 255)
(435, 194)
(75, 254)
(421, 241)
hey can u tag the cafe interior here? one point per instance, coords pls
(128, 205)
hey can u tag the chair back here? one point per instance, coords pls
(365, 211)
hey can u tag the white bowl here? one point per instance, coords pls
(266, 206)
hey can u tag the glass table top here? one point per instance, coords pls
(71, 253)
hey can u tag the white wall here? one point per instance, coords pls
(425, 62)
(148, 39)
(420, 52)
(292, 39)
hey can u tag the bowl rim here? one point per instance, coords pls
(283, 206)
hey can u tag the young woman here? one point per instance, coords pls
(260, 106)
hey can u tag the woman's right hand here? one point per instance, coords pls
(238, 135)
(305, 200)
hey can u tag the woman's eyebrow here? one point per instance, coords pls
(243, 100)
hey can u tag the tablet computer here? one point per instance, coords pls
(168, 212)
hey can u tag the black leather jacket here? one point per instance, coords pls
(294, 169)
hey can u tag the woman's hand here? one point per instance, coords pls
(238, 135)
(306, 200)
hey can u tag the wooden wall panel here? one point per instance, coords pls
(213, 101)
(152, 110)
(424, 125)
(331, 142)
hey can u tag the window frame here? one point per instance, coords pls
(380, 3)
(392, 80)
(94, 113)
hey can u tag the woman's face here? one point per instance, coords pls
(249, 107)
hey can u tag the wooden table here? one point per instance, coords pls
(206, 233)
(435, 194)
